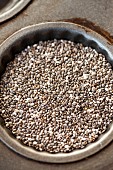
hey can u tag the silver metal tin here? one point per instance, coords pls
(47, 31)
(8, 8)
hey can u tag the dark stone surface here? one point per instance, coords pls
(99, 12)
(100, 161)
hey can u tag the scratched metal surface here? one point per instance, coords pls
(99, 12)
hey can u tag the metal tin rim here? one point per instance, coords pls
(47, 28)
(13, 10)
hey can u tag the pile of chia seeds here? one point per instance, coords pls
(57, 96)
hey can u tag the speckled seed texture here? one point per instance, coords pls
(57, 96)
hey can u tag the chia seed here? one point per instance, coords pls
(56, 96)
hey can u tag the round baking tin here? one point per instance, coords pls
(8, 8)
(48, 31)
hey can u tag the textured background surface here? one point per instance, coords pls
(99, 12)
